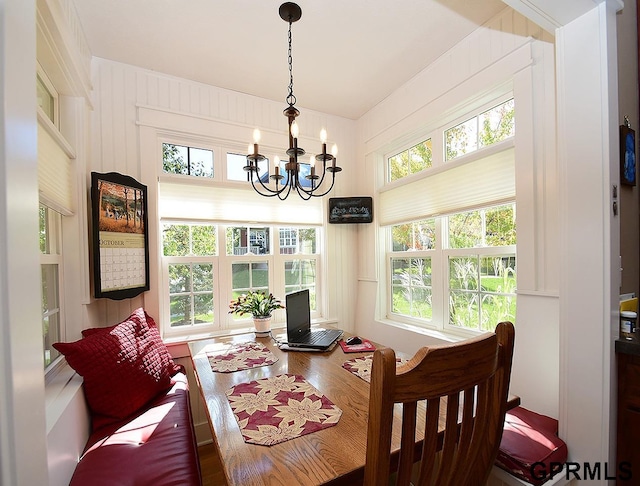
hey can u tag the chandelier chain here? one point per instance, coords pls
(291, 99)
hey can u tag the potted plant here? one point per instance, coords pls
(259, 305)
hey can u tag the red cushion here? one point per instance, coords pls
(530, 439)
(156, 446)
(124, 366)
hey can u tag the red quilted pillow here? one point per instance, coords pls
(123, 366)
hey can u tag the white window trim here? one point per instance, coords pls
(439, 255)
(439, 322)
(54, 94)
(55, 257)
(222, 272)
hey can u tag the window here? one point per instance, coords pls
(410, 161)
(300, 265)
(47, 97)
(492, 126)
(200, 280)
(475, 259)
(191, 161)
(482, 267)
(450, 234)
(51, 271)
(411, 288)
(236, 164)
(189, 254)
(243, 240)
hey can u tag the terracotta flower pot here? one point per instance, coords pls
(262, 326)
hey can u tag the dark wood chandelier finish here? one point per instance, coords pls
(290, 13)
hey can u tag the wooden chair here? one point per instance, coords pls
(470, 379)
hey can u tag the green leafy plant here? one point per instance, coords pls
(258, 304)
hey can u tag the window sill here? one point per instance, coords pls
(277, 327)
(445, 336)
(195, 336)
(59, 392)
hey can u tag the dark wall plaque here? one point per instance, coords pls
(350, 210)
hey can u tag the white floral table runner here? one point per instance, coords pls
(362, 366)
(240, 356)
(279, 408)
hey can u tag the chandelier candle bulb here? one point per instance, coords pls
(256, 141)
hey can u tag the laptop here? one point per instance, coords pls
(299, 332)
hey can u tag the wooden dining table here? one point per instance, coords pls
(334, 455)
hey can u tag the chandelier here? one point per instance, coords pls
(301, 177)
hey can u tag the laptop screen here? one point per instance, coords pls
(298, 314)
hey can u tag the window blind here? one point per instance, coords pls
(218, 203)
(483, 181)
(55, 181)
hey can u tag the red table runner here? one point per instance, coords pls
(279, 408)
(242, 356)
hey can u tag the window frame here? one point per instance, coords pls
(440, 288)
(54, 256)
(50, 88)
(440, 320)
(222, 272)
(198, 143)
(475, 117)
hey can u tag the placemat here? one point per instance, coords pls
(276, 409)
(240, 356)
(362, 366)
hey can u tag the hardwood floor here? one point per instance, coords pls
(210, 466)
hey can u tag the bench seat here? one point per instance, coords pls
(155, 446)
(530, 448)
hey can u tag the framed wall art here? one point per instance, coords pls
(627, 154)
(350, 210)
(120, 236)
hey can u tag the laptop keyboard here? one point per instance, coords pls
(314, 337)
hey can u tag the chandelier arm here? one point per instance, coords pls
(319, 183)
(314, 194)
(282, 198)
(269, 193)
(304, 195)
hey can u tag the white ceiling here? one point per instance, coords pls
(348, 55)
